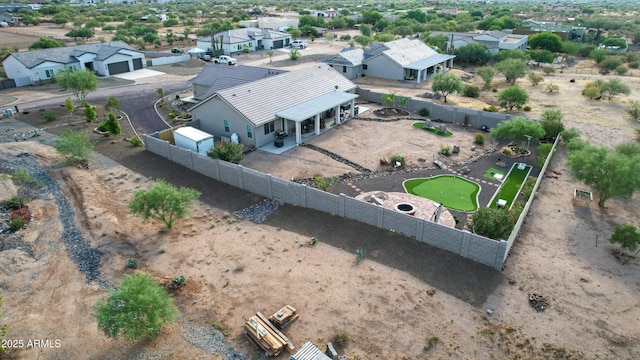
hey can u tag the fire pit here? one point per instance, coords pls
(406, 208)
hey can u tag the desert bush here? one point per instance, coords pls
(634, 109)
(294, 54)
(48, 116)
(323, 183)
(424, 112)
(634, 64)
(135, 141)
(494, 89)
(507, 151)
(543, 152)
(398, 159)
(527, 188)
(132, 264)
(490, 108)
(15, 202)
(621, 70)
(471, 91)
(526, 108)
(480, 138)
(227, 151)
(345, 37)
(445, 150)
(548, 70)
(340, 339)
(534, 78)
(16, 224)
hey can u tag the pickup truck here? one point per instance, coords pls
(299, 44)
(224, 59)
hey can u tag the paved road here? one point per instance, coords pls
(137, 100)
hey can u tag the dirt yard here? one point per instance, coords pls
(401, 301)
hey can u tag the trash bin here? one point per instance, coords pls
(278, 143)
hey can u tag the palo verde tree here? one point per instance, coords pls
(627, 236)
(81, 82)
(517, 129)
(512, 69)
(611, 172)
(164, 202)
(552, 123)
(486, 73)
(446, 83)
(513, 96)
(138, 309)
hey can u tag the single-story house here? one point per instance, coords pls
(216, 77)
(494, 40)
(298, 104)
(236, 40)
(105, 59)
(267, 22)
(403, 59)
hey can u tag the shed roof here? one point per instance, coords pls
(193, 133)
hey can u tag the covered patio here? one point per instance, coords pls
(421, 70)
(311, 117)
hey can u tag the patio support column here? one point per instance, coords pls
(337, 111)
(352, 108)
(285, 126)
(298, 133)
(418, 77)
(317, 124)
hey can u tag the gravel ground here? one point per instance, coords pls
(258, 212)
(209, 340)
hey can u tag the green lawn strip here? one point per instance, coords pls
(434, 129)
(489, 173)
(511, 186)
(454, 192)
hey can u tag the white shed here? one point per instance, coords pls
(193, 139)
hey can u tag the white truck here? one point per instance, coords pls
(224, 59)
(299, 44)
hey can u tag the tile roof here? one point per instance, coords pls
(69, 54)
(219, 76)
(260, 100)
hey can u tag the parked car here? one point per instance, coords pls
(224, 59)
(177, 51)
(299, 44)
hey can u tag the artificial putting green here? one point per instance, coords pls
(453, 192)
(511, 186)
(489, 173)
(432, 129)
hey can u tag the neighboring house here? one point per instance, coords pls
(273, 23)
(494, 40)
(300, 103)
(105, 59)
(237, 40)
(9, 20)
(566, 32)
(216, 77)
(404, 59)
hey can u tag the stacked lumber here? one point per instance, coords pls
(284, 317)
(266, 336)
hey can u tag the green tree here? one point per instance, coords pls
(75, 147)
(270, 54)
(517, 129)
(634, 109)
(446, 83)
(79, 82)
(69, 105)
(627, 236)
(473, 53)
(60, 19)
(365, 30)
(164, 202)
(82, 33)
(513, 96)
(548, 70)
(486, 73)
(512, 69)
(614, 87)
(543, 151)
(493, 223)
(226, 151)
(111, 124)
(541, 56)
(552, 122)
(592, 89)
(44, 43)
(546, 41)
(138, 309)
(599, 55)
(90, 112)
(364, 41)
(611, 172)
(112, 104)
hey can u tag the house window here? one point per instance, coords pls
(226, 125)
(269, 127)
(249, 131)
(239, 47)
(49, 73)
(344, 69)
(364, 66)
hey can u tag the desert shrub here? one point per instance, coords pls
(634, 64)
(480, 138)
(340, 339)
(445, 150)
(526, 108)
(48, 116)
(132, 264)
(345, 37)
(90, 112)
(111, 124)
(516, 210)
(610, 63)
(398, 159)
(226, 151)
(323, 183)
(135, 141)
(543, 152)
(424, 112)
(569, 135)
(621, 70)
(634, 109)
(548, 70)
(471, 91)
(15, 202)
(534, 78)
(490, 108)
(294, 54)
(494, 89)
(527, 188)
(16, 224)
(507, 151)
